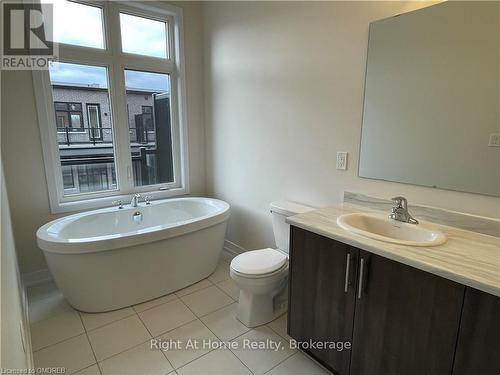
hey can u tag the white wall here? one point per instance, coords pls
(22, 149)
(283, 93)
(13, 355)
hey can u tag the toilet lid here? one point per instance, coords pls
(258, 262)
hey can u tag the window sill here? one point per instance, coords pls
(101, 202)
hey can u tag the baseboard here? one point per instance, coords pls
(26, 332)
(231, 250)
(37, 277)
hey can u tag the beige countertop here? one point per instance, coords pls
(467, 258)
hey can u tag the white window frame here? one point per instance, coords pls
(116, 62)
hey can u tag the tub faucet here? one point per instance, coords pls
(135, 200)
(400, 212)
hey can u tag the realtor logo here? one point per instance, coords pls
(27, 36)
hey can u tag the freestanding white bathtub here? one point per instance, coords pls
(104, 260)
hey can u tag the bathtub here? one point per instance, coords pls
(110, 258)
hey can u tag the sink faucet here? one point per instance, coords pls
(135, 200)
(400, 212)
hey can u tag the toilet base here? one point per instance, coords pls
(258, 309)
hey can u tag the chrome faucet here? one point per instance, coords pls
(135, 200)
(400, 212)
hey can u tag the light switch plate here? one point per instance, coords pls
(494, 140)
(342, 160)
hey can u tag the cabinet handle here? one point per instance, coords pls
(360, 283)
(348, 263)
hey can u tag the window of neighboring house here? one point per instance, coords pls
(147, 115)
(132, 136)
(69, 116)
(94, 121)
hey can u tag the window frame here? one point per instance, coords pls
(116, 63)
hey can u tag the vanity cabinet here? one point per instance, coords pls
(478, 346)
(322, 298)
(406, 320)
(399, 320)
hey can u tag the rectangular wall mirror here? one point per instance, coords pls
(432, 105)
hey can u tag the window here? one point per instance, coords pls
(115, 96)
(89, 155)
(78, 24)
(151, 138)
(143, 36)
(147, 114)
(68, 116)
(94, 121)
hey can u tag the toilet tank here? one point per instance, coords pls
(279, 212)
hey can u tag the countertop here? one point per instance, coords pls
(467, 257)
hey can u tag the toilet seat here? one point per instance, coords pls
(259, 263)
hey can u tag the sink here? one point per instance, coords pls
(382, 228)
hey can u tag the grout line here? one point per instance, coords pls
(59, 342)
(201, 356)
(272, 330)
(218, 309)
(106, 324)
(210, 351)
(197, 290)
(152, 307)
(233, 353)
(175, 369)
(286, 359)
(152, 337)
(85, 368)
(223, 291)
(90, 343)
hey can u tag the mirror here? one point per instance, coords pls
(431, 109)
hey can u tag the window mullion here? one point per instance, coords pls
(147, 64)
(122, 138)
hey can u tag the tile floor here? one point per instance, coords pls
(119, 342)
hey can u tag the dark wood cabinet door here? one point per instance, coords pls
(406, 320)
(478, 346)
(320, 308)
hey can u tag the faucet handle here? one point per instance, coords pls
(147, 199)
(119, 203)
(400, 202)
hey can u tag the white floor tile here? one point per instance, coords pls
(166, 317)
(96, 320)
(298, 364)
(73, 354)
(261, 360)
(194, 340)
(92, 370)
(193, 288)
(154, 302)
(221, 273)
(42, 290)
(207, 300)
(217, 362)
(279, 326)
(44, 308)
(224, 324)
(230, 288)
(139, 360)
(117, 337)
(66, 323)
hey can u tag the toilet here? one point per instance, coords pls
(262, 275)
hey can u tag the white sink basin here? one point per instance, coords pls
(384, 229)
